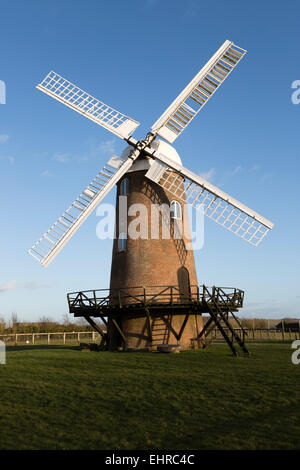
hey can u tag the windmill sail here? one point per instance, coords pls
(196, 94)
(64, 91)
(49, 245)
(217, 205)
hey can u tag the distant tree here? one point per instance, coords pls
(66, 319)
(81, 322)
(2, 325)
(46, 324)
(14, 322)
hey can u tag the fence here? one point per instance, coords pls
(258, 334)
(50, 338)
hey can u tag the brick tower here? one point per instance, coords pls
(150, 257)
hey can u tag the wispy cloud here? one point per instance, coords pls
(235, 171)
(47, 173)
(33, 285)
(265, 177)
(95, 150)
(7, 286)
(3, 138)
(208, 175)
(62, 157)
(107, 146)
(82, 158)
(255, 168)
(8, 157)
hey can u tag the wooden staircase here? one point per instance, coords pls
(219, 318)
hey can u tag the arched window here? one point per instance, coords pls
(122, 242)
(175, 210)
(124, 187)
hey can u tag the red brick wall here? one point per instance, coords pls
(151, 262)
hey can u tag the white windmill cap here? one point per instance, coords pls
(161, 147)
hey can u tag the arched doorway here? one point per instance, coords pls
(183, 283)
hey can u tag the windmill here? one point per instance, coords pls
(158, 175)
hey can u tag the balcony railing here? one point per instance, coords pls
(155, 296)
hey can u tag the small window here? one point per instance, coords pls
(124, 187)
(175, 210)
(122, 242)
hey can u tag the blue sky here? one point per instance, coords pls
(137, 56)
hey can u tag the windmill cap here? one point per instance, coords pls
(161, 147)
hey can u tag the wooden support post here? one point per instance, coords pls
(148, 324)
(32, 338)
(121, 332)
(183, 326)
(169, 326)
(95, 326)
(48, 339)
(64, 338)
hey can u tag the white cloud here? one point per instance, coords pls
(265, 177)
(7, 157)
(32, 285)
(82, 158)
(62, 157)
(47, 173)
(208, 176)
(95, 150)
(3, 138)
(7, 286)
(235, 171)
(255, 167)
(107, 146)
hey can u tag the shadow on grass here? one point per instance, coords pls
(42, 346)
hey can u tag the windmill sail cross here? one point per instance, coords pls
(217, 205)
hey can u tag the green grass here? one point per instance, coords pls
(61, 398)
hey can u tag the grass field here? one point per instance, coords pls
(61, 398)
